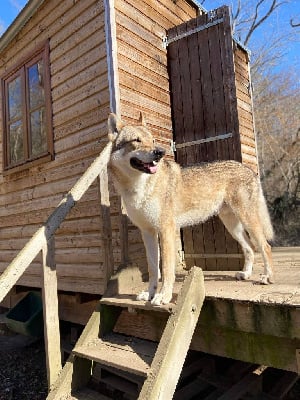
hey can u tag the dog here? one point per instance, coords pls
(160, 197)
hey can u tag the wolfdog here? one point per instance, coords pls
(160, 197)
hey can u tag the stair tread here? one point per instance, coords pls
(129, 301)
(86, 394)
(122, 352)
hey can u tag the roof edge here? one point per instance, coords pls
(198, 6)
(19, 22)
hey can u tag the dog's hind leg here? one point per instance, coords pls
(253, 225)
(268, 276)
(258, 237)
(237, 231)
(150, 239)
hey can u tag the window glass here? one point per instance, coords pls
(36, 85)
(38, 132)
(16, 142)
(15, 99)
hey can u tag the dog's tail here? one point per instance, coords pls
(265, 216)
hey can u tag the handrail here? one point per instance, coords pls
(21, 262)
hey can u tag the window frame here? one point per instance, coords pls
(21, 69)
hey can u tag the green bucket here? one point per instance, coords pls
(26, 317)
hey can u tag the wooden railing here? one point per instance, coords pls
(44, 240)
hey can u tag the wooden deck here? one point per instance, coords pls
(242, 320)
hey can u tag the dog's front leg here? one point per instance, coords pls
(152, 251)
(167, 243)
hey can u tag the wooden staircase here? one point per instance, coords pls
(155, 366)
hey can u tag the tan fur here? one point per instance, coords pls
(169, 197)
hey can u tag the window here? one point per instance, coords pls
(27, 115)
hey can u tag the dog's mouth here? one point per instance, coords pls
(148, 168)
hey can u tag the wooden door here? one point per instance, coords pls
(205, 120)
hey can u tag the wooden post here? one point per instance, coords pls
(175, 341)
(106, 224)
(124, 234)
(50, 309)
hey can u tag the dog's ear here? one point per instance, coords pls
(142, 120)
(114, 125)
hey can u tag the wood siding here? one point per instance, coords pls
(80, 103)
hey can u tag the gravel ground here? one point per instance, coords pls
(22, 367)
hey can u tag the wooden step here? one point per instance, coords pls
(86, 394)
(130, 302)
(126, 353)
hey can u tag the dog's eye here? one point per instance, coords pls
(138, 140)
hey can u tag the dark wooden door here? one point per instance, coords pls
(205, 120)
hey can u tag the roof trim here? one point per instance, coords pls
(19, 22)
(197, 5)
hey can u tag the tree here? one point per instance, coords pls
(277, 117)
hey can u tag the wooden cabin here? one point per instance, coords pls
(64, 65)
(82, 59)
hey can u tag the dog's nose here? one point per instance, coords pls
(159, 152)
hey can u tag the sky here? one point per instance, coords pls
(278, 23)
(9, 9)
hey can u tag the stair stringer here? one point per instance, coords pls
(175, 342)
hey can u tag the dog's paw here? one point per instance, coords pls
(266, 279)
(161, 298)
(157, 299)
(144, 296)
(242, 276)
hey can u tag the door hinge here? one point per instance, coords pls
(206, 140)
(199, 28)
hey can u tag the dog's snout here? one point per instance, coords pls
(159, 152)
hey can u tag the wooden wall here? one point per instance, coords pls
(143, 76)
(245, 109)
(80, 96)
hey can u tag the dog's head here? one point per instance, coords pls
(133, 146)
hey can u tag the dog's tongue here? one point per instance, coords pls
(151, 167)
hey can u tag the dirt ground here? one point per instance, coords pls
(22, 367)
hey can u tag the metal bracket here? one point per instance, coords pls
(165, 42)
(199, 28)
(173, 146)
(206, 140)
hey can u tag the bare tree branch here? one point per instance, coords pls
(293, 24)
(235, 17)
(256, 22)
